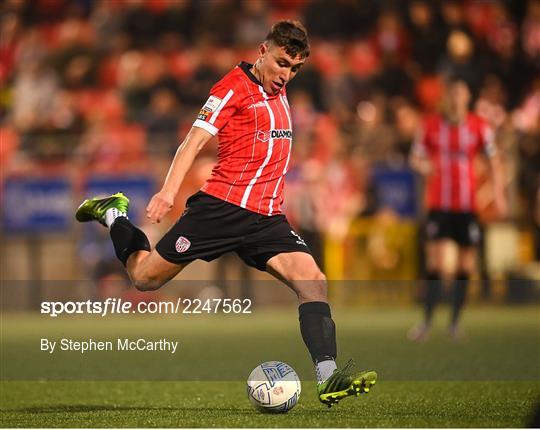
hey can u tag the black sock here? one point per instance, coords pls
(127, 239)
(431, 296)
(459, 293)
(318, 330)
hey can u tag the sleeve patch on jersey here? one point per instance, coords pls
(211, 104)
(203, 114)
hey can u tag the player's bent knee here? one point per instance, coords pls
(147, 284)
(320, 276)
(312, 288)
(313, 276)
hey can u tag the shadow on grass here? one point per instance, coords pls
(113, 408)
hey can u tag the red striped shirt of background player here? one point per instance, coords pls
(254, 130)
(451, 149)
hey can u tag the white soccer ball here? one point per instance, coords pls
(273, 386)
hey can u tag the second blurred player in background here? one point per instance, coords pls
(444, 152)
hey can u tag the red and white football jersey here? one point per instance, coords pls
(254, 130)
(452, 148)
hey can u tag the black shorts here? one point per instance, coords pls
(210, 227)
(462, 227)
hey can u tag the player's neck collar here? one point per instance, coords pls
(246, 68)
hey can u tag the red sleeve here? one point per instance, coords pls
(219, 108)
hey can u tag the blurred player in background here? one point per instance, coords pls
(444, 152)
(239, 207)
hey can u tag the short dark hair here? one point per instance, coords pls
(292, 36)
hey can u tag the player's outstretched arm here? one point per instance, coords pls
(497, 173)
(162, 202)
(418, 157)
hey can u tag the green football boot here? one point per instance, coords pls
(94, 209)
(344, 383)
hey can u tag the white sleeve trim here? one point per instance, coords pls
(221, 106)
(205, 126)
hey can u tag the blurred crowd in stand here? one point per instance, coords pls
(112, 85)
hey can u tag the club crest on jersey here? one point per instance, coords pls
(182, 244)
(264, 136)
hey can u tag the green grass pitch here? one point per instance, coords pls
(490, 379)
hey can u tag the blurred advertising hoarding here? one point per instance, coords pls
(37, 205)
(47, 205)
(395, 189)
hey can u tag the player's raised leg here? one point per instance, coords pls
(146, 268)
(300, 272)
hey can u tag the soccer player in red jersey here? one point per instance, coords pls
(444, 152)
(239, 207)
